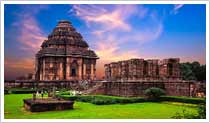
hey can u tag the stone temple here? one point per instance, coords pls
(65, 55)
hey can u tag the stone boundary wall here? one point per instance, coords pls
(133, 89)
(75, 85)
(126, 89)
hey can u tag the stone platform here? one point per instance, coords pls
(47, 104)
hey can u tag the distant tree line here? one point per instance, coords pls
(193, 71)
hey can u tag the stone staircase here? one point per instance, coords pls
(93, 89)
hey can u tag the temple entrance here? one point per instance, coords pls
(73, 72)
(74, 68)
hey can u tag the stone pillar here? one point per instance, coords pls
(84, 71)
(68, 62)
(40, 70)
(61, 71)
(43, 73)
(52, 75)
(80, 71)
(92, 71)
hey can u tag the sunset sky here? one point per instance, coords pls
(115, 32)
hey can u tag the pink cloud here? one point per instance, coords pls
(30, 34)
(108, 51)
(15, 67)
(108, 19)
(14, 63)
(113, 29)
(29, 39)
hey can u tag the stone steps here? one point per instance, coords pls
(92, 89)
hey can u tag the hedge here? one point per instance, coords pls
(104, 100)
(21, 90)
(183, 99)
(6, 91)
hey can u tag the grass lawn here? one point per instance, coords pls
(13, 109)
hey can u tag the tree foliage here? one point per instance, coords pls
(193, 71)
(154, 93)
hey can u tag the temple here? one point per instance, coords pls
(65, 55)
(140, 69)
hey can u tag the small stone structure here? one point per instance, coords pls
(47, 104)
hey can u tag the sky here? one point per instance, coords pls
(114, 32)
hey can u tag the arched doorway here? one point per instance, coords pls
(74, 69)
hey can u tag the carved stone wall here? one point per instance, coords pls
(135, 89)
(140, 69)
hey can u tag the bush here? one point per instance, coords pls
(21, 90)
(202, 112)
(185, 115)
(154, 93)
(65, 93)
(6, 91)
(183, 99)
(188, 115)
(103, 100)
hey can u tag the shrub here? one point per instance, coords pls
(185, 115)
(22, 90)
(188, 115)
(202, 112)
(103, 100)
(154, 93)
(65, 93)
(183, 99)
(6, 91)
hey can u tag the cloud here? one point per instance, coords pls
(28, 37)
(15, 67)
(15, 63)
(111, 27)
(30, 34)
(176, 8)
(109, 51)
(109, 18)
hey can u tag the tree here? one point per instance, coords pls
(201, 73)
(154, 93)
(193, 71)
(186, 71)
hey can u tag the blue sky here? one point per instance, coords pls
(115, 32)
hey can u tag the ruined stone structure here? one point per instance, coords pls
(65, 56)
(140, 69)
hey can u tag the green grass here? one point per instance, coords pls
(149, 110)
